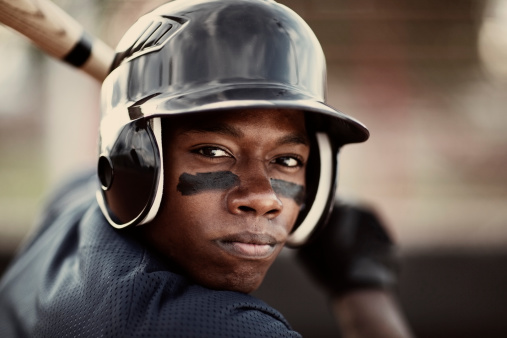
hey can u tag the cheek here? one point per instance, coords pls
(292, 212)
(177, 232)
(292, 196)
(186, 217)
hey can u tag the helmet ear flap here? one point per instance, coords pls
(130, 175)
(321, 192)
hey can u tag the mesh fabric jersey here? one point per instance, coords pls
(79, 277)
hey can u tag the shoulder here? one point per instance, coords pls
(152, 300)
(70, 198)
(86, 277)
(125, 290)
(130, 292)
(174, 304)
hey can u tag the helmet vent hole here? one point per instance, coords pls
(105, 172)
(145, 37)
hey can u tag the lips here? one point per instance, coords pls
(248, 245)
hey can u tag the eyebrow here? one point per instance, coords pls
(228, 130)
(293, 138)
(223, 129)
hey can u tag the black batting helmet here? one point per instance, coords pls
(202, 57)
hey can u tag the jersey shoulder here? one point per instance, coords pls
(80, 276)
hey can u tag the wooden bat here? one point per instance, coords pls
(58, 34)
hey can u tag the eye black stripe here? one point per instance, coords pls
(289, 189)
(194, 184)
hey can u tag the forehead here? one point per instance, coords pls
(234, 121)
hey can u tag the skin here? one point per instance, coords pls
(227, 235)
(370, 313)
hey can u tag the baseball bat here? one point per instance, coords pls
(58, 34)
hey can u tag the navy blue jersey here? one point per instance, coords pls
(78, 276)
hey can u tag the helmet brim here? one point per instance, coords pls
(341, 128)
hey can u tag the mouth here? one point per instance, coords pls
(248, 245)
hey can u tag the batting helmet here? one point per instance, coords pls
(202, 57)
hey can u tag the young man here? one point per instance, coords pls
(233, 185)
(216, 150)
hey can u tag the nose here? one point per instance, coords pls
(254, 196)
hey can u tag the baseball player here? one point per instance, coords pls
(216, 150)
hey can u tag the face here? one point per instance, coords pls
(234, 185)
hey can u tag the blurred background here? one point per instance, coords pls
(429, 79)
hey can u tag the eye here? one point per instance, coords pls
(212, 152)
(289, 161)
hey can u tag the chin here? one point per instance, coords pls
(248, 287)
(244, 287)
(244, 282)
